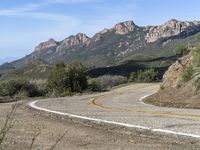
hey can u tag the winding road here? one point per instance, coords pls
(124, 107)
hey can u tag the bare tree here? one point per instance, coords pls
(58, 140)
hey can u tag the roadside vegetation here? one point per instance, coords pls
(181, 50)
(192, 72)
(106, 82)
(67, 80)
(188, 73)
(149, 75)
(196, 64)
(19, 88)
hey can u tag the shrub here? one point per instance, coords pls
(57, 82)
(22, 87)
(106, 82)
(77, 77)
(198, 37)
(162, 87)
(196, 63)
(63, 80)
(133, 77)
(197, 84)
(188, 73)
(148, 75)
(181, 50)
(196, 57)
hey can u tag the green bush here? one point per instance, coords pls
(63, 80)
(58, 82)
(77, 77)
(162, 87)
(181, 50)
(104, 83)
(188, 73)
(197, 84)
(196, 57)
(133, 77)
(18, 87)
(148, 75)
(196, 63)
(198, 37)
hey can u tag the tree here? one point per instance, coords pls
(65, 79)
(77, 76)
(57, 81)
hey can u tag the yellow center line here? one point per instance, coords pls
(93, 101)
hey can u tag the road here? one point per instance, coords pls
(123, 107)
(94, 122)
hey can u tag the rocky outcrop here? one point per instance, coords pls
(173, 75)
(99, 35)
(79, 39)
(124, 27)
(46, 45)
(171, 28)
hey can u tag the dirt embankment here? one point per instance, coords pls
(173, 92)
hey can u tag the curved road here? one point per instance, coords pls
(123, 107)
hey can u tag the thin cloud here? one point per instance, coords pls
(32, 11)
(68, 1)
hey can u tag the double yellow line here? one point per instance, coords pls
(94, 102)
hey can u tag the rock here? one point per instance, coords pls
(124, 27)
(173, 75)
(79, 39)
(45, 45)
(171, 28)
(98, 36)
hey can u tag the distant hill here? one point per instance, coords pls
(7, 59)
(123, 43)
(34, 69)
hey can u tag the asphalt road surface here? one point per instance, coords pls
(123, 107)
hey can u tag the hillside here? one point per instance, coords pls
(110, 47)
(34, 69)
(181, 86)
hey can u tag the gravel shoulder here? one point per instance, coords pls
(78, 137)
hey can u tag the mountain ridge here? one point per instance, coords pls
(110, 46)
(129, 26)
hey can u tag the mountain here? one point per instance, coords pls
(110, 47)
(7, 59)
(34, 69)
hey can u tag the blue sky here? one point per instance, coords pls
(25, 23)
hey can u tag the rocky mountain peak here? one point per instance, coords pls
(74, 40)
(124, 27)
(172, 24)
(171, 28)
(45, 45)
